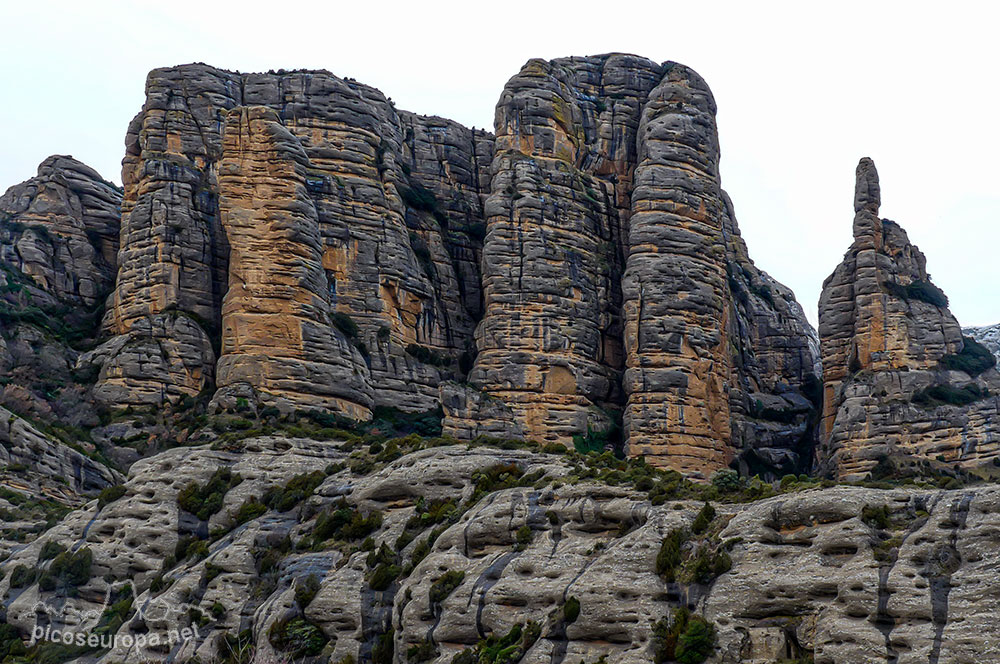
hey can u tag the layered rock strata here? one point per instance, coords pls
(276, 331)
(608, 164)
(61, 229)
(550, 344)
(674, 286)
(58, 244)
(775, 382)
(899, 377)
(811, 577)
(602, 166)
(398, 201)
(41, 479)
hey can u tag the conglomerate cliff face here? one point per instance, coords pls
(397, 200)
(61, 229)
(550, 343)
(605, 279)
(276, 332)
(468, 543)
(899, 376)
(362, 257)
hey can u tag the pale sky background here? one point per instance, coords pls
(804, 90)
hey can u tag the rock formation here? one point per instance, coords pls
(398, 201)
(813, 573)
(899, 377)
(587, 148)
(675, 309)
(589, 317)
(296, 253)
(277, 335)
(61, 229)
(550, 344)
(58, 243)
(41, 479)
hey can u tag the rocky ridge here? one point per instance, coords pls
(450, 545)
(312, 286)
(385, 219)
(899, 376)
(568, 345)
(396, 260)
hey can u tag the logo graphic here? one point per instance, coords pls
(60, 621)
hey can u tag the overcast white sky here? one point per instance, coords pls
(804, 90)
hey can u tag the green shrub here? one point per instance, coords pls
(924, 291)
(345, 523)
(428, 356)
(523, 537)
(727, 481)
(394, 422)
(420, 551)
(424, 651)
(507, 649)
(211, 571)
(204, 501)
(707, 564)
(297, 636)
(384, 648)
(11, 646)
(383, 577)
(190, 546)
(297, 489)
(110, 494)
(305, 591)
(571, 610)
(68, 570)
(599, 441)
(22, 576)
(419, 197)
(686, 639)
(237, 649)
(249, 510)
(50, 550)
(696, 642)
(669, 558)
(495, 478)
(973, 359)
(704, 519)
(445, 585)
(876, 516)
(947, 395)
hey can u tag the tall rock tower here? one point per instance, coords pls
(900, 380)
(616, 284)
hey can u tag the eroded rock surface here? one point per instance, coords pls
(61, 229)
(398, 204)
(899, 377)
(604, 165)
(277, 335)
(809, 577)
(41, 478)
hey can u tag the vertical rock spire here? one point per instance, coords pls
(277, 336)
(887, 341)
